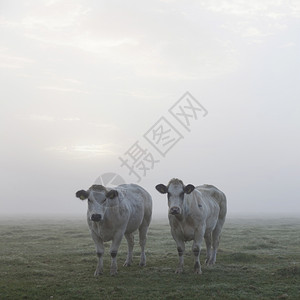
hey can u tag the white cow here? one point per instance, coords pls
(113, 213)
(194, 214)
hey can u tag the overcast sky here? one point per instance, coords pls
(83, 81)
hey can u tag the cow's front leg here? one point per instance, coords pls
(100, 251)
(114, 251)
(196, 248)
(180, 249)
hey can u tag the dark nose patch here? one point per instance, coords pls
(96, 217)
(174, 211)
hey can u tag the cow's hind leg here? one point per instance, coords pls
(142, 238)
(130, 241)
(215, 241)
(208, 243)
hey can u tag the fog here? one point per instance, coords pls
(82, 82)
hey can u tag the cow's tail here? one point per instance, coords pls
(223, 206)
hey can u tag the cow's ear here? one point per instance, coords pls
(188, 188)
(82, 194)
(162, 188)
(112, 194)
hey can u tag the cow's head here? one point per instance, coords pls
(98, 200)
(175, 190)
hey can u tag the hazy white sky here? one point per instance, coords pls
(82, 81)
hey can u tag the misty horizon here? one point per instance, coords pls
(82, 83)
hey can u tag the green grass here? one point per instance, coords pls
(55, 259)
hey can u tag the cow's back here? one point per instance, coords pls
(135, 193)
(139, 204)
(212, 192)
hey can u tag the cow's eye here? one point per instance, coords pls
(181, 195)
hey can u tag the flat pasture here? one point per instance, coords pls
(55, 259)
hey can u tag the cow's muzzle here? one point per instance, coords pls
(174, 210)
(96, 217)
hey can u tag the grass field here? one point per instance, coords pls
(55, 259)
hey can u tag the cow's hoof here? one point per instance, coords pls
(127, 264)
(210, 262)
(179, 271)
(98, 273)
(198, 271)
(142, 264)
(113, 272)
